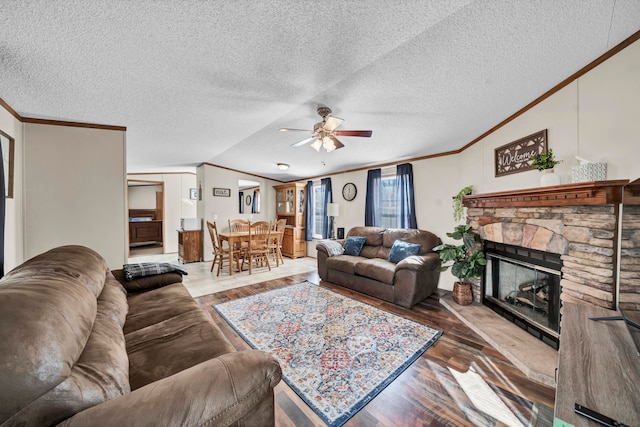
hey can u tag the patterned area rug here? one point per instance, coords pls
(335, 352)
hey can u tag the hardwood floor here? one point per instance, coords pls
(459, 381)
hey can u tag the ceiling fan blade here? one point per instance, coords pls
(332, 123)
(365, 133)
(304, 141)
(336, 143)
(295, 130)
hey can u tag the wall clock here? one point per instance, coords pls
(349, 191)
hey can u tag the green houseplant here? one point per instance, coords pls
(544, 161)
(467, 259)
(458, 207)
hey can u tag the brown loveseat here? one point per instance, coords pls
(404, 283)
(80, 348)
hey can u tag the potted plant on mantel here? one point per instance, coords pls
(545, 162)
(467, 261)
(458, 202)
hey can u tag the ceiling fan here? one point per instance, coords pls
(324, 132)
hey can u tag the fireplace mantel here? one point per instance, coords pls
(583, 193)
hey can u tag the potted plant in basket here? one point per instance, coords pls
(467, 261)
(545, 162)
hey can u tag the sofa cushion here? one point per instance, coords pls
(427, 239)
(157, 305)
(141, 284)
(170, 346)
(353, 245)
(376, 269)
(344, 263)
(401, 250)
(373, 244)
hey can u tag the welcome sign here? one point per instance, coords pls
(516, 156)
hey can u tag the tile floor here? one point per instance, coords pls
(202, 281)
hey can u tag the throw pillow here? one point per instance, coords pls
(353, 245)
(401, 249)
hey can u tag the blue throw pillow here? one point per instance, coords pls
(353, 245)
(401, 249)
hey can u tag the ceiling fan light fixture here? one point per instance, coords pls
(317, 145)
(328, 144)
(324, 133)
(283, 166)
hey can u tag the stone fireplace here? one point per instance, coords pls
(577, 224)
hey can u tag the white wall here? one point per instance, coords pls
(143, 196)
(74, 183)
(13, 231)
(222, 209)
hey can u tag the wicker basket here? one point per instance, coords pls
(462, 293)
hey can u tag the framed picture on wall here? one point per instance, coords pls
(515, 156)
(221, 192)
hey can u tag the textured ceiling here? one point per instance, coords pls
(213, 81)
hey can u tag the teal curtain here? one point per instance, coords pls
(406, 200)
(372, 199)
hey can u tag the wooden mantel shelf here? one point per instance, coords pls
(583, 193)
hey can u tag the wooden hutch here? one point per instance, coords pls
(290, 205)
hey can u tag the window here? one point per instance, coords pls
(388, 202)
(390, 198)
(317, 210)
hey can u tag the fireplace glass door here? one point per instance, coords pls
(525, 293)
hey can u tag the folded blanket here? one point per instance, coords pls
(131, 271)
(332, 247)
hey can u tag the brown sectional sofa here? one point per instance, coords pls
(405, 283)
(79, 347)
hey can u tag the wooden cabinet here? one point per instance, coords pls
(290, 205)
(190, 245)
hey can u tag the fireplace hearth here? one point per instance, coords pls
(523, 285)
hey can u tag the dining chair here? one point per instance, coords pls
(236, 225)
(275, 244)
(219, 252)
(258, 250)
(239, 225)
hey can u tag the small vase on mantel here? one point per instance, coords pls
(549, 177)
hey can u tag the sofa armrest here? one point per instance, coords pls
(330, 247)
(235, 388)
(430, 261)
(416, 277)
(147, 283)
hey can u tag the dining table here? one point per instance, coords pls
(233, 237)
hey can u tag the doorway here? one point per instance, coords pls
(145, 207)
